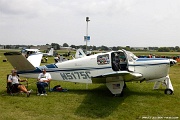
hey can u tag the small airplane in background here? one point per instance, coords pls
(79, 53)
(50, 53)
(27, 52)
(113, 69)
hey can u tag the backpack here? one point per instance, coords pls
(58, 88)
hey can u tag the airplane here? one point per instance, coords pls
(79, 53)
(30, 51)
(50, 53)
(113, 69)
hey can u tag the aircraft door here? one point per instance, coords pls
(118, 61)
(130, 57)
(115, 61)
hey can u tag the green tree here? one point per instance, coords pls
(65, 45)
(55, 46)
(163, 49)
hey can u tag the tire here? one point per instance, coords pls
(168, 91)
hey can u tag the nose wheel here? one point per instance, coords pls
(168, 91)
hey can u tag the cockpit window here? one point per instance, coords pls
(103, 59)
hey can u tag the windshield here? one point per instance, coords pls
(134, 57)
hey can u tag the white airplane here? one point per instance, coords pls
(112, 68)
(79, 53)
(32, 51)
(50, 53)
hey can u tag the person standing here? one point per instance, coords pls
(43, 81)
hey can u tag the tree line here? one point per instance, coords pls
(106, 48)
(56, 46)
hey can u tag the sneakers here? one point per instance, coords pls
(30, 90)
(29, 93)
(43, 94)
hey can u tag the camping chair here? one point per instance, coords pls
(11, 89)
(48, 88)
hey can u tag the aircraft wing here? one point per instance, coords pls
(116, 76)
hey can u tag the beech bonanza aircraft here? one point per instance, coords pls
(112, 68)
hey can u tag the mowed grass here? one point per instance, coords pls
(140, 101)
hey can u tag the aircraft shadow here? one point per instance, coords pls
(100, 103)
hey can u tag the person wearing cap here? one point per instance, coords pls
(43, 81)
(14, 79)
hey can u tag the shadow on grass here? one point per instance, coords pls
(100, 103)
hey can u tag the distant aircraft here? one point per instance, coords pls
(79, 53)
(112, 68)
(50, 53)
(27, 52)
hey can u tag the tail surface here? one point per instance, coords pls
(79, 53)
(51, 52)
(19, 62)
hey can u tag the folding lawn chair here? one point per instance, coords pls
(11, 89)
(48, 88)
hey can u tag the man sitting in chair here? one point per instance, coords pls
(14, 79)
(43, 81)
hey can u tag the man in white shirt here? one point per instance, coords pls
(43, 81)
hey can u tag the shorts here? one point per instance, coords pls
(15, 87)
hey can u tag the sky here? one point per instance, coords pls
(135, 23)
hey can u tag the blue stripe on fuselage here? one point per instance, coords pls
(149, 59)
(51, 66)
(149, 64)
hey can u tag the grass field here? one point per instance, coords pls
(140, 101)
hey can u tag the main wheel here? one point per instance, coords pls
(168, 91)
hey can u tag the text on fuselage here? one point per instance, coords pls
(75, 75)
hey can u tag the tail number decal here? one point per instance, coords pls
(75, 75)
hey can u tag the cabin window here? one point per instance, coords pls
(103, 59)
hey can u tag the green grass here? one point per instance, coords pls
(96, 102)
